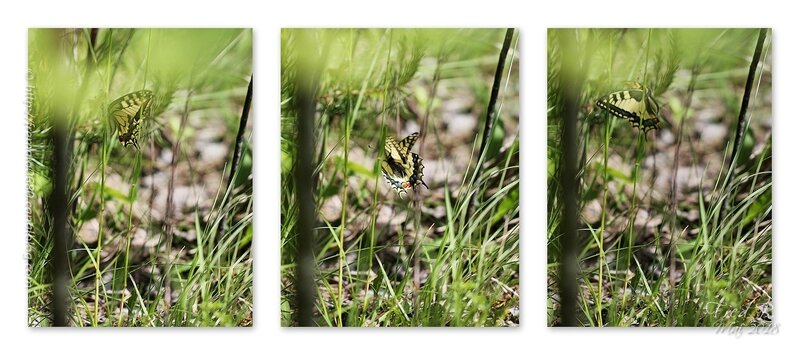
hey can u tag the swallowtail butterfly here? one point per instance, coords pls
(402, 168)
(128, 112)
(636, 105)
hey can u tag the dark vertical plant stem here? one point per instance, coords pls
(741, 122)
(306, 87)
(304, 184)
(237, 151)
(58, 212)
(490, 110)
(570, 77)
(498, 76)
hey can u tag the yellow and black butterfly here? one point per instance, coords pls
(402, 168)
(636, 104)
(128, 112)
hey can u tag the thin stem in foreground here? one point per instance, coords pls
(748, 88)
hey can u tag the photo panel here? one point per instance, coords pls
(140, 177)
(400, 177)
(659, 193)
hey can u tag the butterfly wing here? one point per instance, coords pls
(394, 153)
(128, 111)
(651, 106)
(624, 104)
(407, 143)
(395, 162)
(416, 177)
(401, 168)
(637, 106)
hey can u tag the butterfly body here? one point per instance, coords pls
(128, 112)
(402, 168)
(636, 105)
